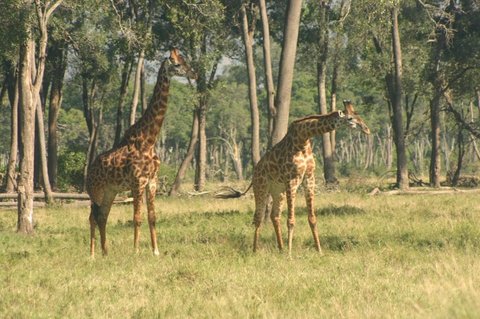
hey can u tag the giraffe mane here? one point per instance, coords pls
(316, 116)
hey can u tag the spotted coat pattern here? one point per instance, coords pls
(289, 164)
(133, 164)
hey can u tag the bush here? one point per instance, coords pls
(70, 170)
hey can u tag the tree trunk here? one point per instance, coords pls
(127, 69)
(143, 90)
(136, 86)
(200, 171)
(92, 124)
(287, 65)
(248, 33)
(437, 81)
(27, 105)
(460, 155)
(13, 83)
(188, 157)
(333, 95)
(43, 153)
(59, 52)
(435, 160)
(396, 98)
(29, 93)
(327, 154)
(267, 62)
(237, 160)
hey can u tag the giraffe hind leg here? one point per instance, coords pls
(100, 214)
(94, 213)
(277, 205)
(151, 189)
(261, 201)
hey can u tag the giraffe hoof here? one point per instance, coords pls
(156, 252)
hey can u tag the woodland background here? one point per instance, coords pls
(410, 68)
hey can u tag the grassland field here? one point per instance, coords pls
(404, 256)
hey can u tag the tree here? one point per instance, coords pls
(58, 61)
(287, 64)
(396, 99)
(267, 64)
(202, 30)
(248, 33)
(322, 48)
(12, 78)
(29, 88)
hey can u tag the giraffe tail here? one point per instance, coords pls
(228, 192)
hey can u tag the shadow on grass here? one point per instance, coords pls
(345, 210)
(336, 243)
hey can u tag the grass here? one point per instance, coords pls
(385, 256)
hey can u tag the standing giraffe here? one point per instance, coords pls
(289, 163)
(133, 164)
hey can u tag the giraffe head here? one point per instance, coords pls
(353, 119)
(175, 65)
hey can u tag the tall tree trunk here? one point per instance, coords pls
(13, 83)
(435, 161)
(136, 86)
(127, 69)
(200, 172)
(248, 32)
(333, 95)
(287, 65)
(438, 82)
(43, 153)
(40, 143)
(267, 63)
(88, 96)
(237, 159)
(29, 93)
(143, 90)
(402, 172)
(27, 107)
(188, 157)
(328, 160)
(59, 52)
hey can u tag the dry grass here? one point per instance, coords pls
(385, 256)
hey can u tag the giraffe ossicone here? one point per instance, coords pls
(133, 164)
(286, 166)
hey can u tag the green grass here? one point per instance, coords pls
(385, 256)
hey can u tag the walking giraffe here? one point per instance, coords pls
(133, 164)
(289, 163)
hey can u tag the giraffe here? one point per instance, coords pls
(133, 164)
(286, 165)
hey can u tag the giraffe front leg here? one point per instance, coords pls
(291, 194)
(100, 216)
(151, 190)
(312, 218)
(93, 225)
(137, 216)
(261, 199)
(278, 200)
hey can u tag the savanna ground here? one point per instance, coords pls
(384, 256)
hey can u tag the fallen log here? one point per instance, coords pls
(56, 195)
(424, 191)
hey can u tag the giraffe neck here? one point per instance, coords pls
(147, 128)
(316, 125)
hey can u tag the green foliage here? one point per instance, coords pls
(70, 170)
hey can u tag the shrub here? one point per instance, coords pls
(70, 170)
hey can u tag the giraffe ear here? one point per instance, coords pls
(174, 53)
(348, 107)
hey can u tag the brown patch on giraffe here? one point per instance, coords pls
(284, 167)
(133, 163)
